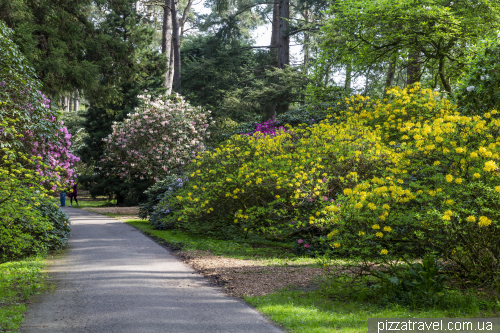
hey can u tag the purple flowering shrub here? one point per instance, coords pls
(34, 160)
(269, 127)
(27, 124)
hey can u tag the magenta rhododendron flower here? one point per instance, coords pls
(300, 241)
(306, 246)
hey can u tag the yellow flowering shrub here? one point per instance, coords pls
(278, 185)
(442, 193)
(384, 178)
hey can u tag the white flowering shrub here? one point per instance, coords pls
(478, 92)
(157, 138)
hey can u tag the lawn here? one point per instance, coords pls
(19, 280)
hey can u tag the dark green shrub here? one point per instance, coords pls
(158, 204)
(478, 91)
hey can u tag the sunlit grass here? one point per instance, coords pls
(231, 248)
(18, 281)
(327, 310)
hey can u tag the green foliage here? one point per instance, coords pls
(366, 33)
(420, 284)
(59, 40)
(478, 92)
(308, 114)
(159, 192)
(234, 81)
(18, 281)
(212, 67)
(30, 224)
(259, 93)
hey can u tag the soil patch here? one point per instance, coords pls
(248, 277)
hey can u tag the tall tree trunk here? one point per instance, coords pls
(275, 33)
(442, 75)
(391, 71)
(413, 69)
(171, 65)
(76, 103)
(283, 37)
(271, 110)
(283, 45)
(348, 77)
(367, 82)
(306, 42)
(166, 43)
(177, 46)
(67, 102)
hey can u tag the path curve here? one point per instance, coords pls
(115, 279)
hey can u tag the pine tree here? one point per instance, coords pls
(132, 67)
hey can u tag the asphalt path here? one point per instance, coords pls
(115, 279)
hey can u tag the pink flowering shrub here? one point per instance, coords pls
(158, 138)
(27, 124)
(34, 160)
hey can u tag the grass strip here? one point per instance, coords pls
(254, 249)
(19, 280)
(318, 311)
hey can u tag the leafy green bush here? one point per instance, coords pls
(412, 284)
(161, 194)
(478, 91)
(31, 225)
(309, 114)
(156, 193)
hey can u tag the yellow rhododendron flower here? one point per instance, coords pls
(471, 218)
(484, 221)
(375, 226)
(490, 166)
(384, 252)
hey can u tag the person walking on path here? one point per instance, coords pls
(73, 194)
